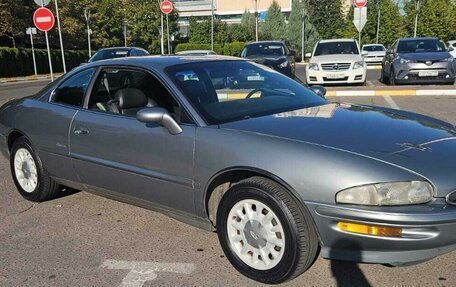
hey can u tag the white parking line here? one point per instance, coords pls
(390, 102)
(141, 272)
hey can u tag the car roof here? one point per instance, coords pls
(265, 42)
(119, 48)
(194, 52)
(160, 62)
(418, 38)
(336, 40)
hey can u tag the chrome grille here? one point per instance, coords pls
(335, 67)
(451, 198)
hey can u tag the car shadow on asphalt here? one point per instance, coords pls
(66, 191)
(348, 273)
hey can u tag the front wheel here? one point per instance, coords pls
(392, 78)
(30, 178)
(264, 232)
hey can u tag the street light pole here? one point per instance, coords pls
(87, 17)
(378, 19)
(303, 18)
(417, 12)
(60, 36)
(125, 31)
(212, 26)
(256, 20)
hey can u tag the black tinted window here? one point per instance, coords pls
(263, 50)
(420, 46)
(378, 48)
(333, 48)
(72, 91)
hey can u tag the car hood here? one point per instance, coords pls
(339, 58)
(416, 143)
(436, 56)
(269, 60)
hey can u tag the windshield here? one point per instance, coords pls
(333, 48)
(225, 91)
(109, 54)
(420, 46)
(263, 49)
(377, 48)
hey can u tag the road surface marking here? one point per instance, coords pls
(141, 272)
(390, 102)
(370, 83)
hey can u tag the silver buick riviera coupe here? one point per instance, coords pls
(231, 146)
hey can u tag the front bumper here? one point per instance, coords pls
(427, 231)
(444, 72)
(351, 76)
(374, 59)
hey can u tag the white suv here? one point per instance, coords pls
(336, 62)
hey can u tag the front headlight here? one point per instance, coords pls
(394, 193)
(403, 61)
(358, 65)
(313, 66)
(450, 59)
(284, 64)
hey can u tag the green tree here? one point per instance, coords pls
(15, 17)
(294, 28)
(326, 16)
(391, 23)
(437, 18)
(274, 27)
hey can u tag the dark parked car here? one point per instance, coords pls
(418, 60)
(117, 52)
(228, 145)
(274, 54)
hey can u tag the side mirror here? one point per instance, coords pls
(319, 90)
(161, 117)
(389, 51)
(308, 55)
(364, 53)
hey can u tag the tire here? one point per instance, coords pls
(391, 78)
(294, 236)
(383, 78)
(26, 167)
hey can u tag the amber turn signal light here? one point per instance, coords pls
(370, 229)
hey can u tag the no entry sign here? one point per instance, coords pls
(43, 19)
(360, 3)
(166, 7)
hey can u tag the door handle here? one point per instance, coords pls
(80, 131)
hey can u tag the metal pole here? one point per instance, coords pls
(417, 11)
(33, 51)
(256, 20)
(303, 56)
(378, 20)
(167, 32)
(212, 26)
(87, 16)
(125, 32)
(360, 12)
(60, 36)
(48, 50)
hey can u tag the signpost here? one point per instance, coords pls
(166, 7)
(31, 32)
(60, 36)
(360, 16)
(44, 21)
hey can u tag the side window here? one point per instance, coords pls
(72, 91)
(126, 92)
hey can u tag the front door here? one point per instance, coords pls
(113, 152)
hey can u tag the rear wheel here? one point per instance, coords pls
(392, 78)
(264, 232)
(30, 178)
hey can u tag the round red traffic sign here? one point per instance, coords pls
(166, 7)
(360, 3)
(43, 19)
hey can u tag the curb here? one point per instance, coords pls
(29, 78)
(392, 93)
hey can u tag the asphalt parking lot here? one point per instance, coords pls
(85, 240)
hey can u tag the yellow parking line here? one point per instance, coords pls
(395, 93)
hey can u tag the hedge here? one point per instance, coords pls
(229, 49)
(19, 62)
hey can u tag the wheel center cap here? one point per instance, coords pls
(254, 232)
(26, 170)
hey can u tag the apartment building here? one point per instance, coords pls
(229, 11)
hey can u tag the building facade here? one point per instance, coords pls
(229, 11)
